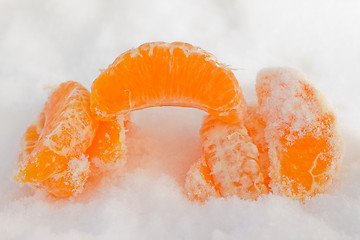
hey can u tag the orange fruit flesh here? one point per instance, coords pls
(231, 159)
(29, 141)
(65, 130)
(305, 148)
(167, 74)
(256, 127)
(63, 184)
(199, 182)
(307, 164)
(108, 147)
(69, 182)
(106, 152)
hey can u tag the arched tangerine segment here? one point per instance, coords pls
(65, 130)
(304, 146)
(167, 74)
(230, 163)
(108, 147)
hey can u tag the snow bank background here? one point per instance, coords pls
(43, 43)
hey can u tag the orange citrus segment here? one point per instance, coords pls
(199, 182)
(232, 160)
(305, 148)
(167, 74)
(65, 129)
(108, 147)
(255, 127)
(70, 181)
(29, 141)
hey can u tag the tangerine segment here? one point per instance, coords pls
(108, 147)
(69, 182)
(167, 74)
(199, 182)
(256, 127)
(232, 159)
(65, 130)
(305, 148)
(29, 141)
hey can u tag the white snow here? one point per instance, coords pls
(49, 42)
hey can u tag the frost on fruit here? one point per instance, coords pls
(63, 132)
(304, 145)
(69, 182)
(232, 160)
(198, 182)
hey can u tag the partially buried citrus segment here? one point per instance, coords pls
(288, 144)
(255, 126)
(64, 131)
(108, 147)
(199, 182)
(230, 166)
(68, 182)
(303, 143)
(65, 183)
(167, 74)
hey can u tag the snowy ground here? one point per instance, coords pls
(47, 42)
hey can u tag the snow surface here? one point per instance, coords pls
(43, 43)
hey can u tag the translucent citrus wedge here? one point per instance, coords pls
(108, 147)
(65, 130)
(304, 146)
(230, 163)
(167, 74)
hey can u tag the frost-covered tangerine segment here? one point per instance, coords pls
(232, 159)
(65, 129)
(108, 147)
(167, 74)
(199, 182)
(69, 182)
(305, 148)
(64, 184)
